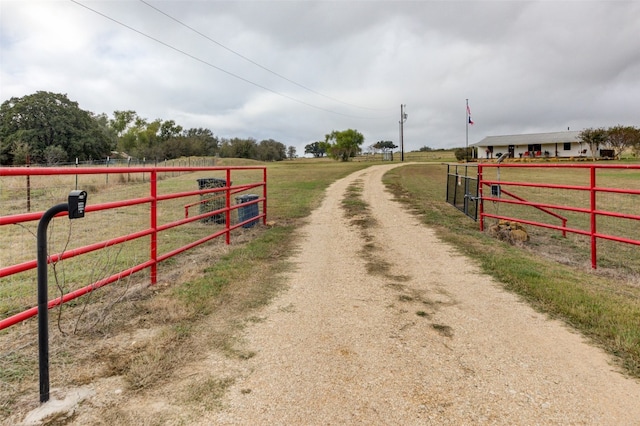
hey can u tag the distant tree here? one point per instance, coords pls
(204, 141)
(149, 144)
(271, 150)
(595, 138)
(169, 129)
(193, 142)
(622, 137)
(224, 149)
(46, 119)
(127, 125)
(122, 121)
(317, 149)
(291, 152)
(104, 126)
(239, 148)
(425, 149)
(634, 143)
(180, 146)
(385, 146)
(156, 140)
(344, 144)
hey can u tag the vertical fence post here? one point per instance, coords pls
(228, 205)
(447, 195)
(154, 226)
(264, 195)
(480, 199)
(592, 192)
(28, 185)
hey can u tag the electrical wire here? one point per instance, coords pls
(216, 67)
(254, 62)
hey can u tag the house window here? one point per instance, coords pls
(567, 146)
(535, 150)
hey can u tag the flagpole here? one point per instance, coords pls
(466, 151)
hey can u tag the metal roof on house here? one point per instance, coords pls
(533, 138)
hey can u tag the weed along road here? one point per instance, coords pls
(382, 323)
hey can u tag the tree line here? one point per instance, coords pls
(344, 145)
(49, 128)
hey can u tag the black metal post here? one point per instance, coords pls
(43, 298)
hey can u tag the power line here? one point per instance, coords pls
(252, 61)
(216, 67)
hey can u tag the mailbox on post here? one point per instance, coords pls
(77, 202)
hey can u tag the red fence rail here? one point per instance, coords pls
(593, 208)
(153, 200)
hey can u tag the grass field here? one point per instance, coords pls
(227, 282)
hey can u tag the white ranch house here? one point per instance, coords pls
(536, 145)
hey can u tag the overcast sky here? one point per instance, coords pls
(295, 70)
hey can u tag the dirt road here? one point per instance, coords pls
(429, 340)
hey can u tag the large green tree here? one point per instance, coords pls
(344, 144)
(43, 120)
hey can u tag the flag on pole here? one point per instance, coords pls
(469, 115)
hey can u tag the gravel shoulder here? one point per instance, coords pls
(431, 341)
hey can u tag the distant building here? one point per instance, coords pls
(535, 145)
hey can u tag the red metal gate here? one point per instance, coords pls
(592, 181)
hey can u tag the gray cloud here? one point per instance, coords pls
(524, 66)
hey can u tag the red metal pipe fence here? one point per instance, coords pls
(594, 208)
(154, 200)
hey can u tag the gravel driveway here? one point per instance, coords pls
(424, 339)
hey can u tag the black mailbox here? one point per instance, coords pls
(77, 202)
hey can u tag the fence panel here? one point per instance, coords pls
(135, 218)
(598, 201)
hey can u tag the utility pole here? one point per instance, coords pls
(403, 118)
